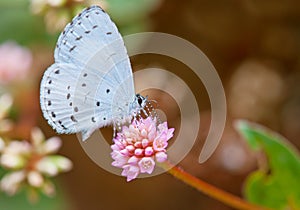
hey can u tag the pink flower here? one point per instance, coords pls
(138, 146)
(15, 62)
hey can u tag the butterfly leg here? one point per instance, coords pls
(153, 112)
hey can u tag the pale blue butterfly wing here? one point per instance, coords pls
(90, 85)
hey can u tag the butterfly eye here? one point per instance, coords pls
(140, 101)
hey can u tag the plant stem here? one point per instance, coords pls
(216, 193)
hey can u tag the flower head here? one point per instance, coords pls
(15, 62)
(139, 145)
(31, 163)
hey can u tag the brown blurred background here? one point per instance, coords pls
(254, 46)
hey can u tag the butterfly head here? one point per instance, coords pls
(138, 104)
(141, 100)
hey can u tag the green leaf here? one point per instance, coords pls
(20, 201)
(17, 23)
(278, 186)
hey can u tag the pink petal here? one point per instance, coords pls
(51, 145)
(131, 172)
(146, 165)
(138, 144)
(160, 142)
(124, 152)
(147, 122)
(144, 133)
(161, 157)
(149, 151)
(138, 151)
(130, 148)
(145, 143)
(119, 159)
(151, 134)
(133, 160)
(170, 133)
(115, 147)
(120, 162)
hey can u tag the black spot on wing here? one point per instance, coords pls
(72, 48)
(73, 118)
(78, 38)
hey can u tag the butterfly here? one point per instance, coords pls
(90, 85)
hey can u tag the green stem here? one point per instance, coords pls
(216, 193)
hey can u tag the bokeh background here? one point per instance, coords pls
(254, 45)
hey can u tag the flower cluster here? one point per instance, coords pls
(57, 13)
(31, 163)
(138, 146)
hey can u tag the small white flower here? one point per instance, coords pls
(47, 166)
(18, 148)
(33, 162)
(56, 3)
(37, 137)
(52, 145)
(48, 188)
(12, 161)
(35, 179)
(11, 182)
(63, 164)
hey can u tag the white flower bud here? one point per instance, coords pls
(18, 147)
(12, 161)
(35, 179)
(10, 183)
(48, 188)
(47, 166)
(63, 163)
(37, 136)
(51, 145)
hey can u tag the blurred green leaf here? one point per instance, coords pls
(17, 23)
(279, 186)
(20, 201)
